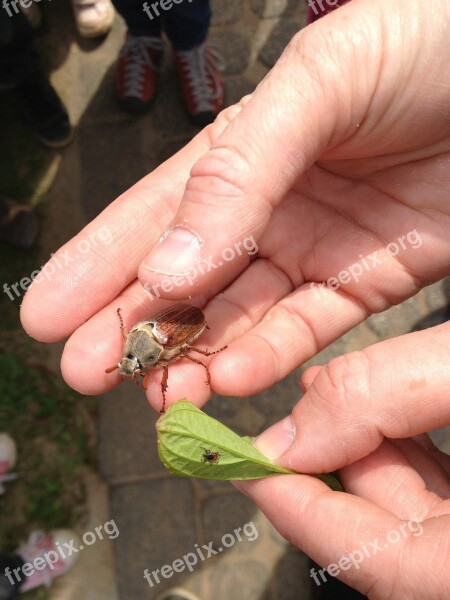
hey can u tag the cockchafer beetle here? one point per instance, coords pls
(164, 338)
(210, 457)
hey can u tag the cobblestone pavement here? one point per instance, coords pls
(160, 517)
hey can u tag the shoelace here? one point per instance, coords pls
(136, 52)
(201, 64)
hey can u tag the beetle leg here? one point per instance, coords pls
(122, 327)
(145, 380)
(199, 362)
(205, 352)
(164, 386)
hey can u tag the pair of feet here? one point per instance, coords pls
(136, 78)
(198, 70)
(39, 543)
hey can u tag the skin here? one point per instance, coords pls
(341, 150)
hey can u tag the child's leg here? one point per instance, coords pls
(18, 59)
(138, 21)
(187, 23)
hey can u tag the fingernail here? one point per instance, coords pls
(177, 253)
(277, 439)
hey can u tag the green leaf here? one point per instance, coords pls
(185, 436)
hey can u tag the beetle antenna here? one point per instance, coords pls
(111, 369)
(122, 327)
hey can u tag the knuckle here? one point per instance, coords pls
(348, 380)
(313, 50)
(228, 114)
(224, 170)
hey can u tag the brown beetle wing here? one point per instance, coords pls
(176, 325)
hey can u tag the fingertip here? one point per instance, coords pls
(276, 440)
(307, 378)
(185, 380)
(245, 487)
(37, 321)
(88, 352)
(80, 371)
(241, 371)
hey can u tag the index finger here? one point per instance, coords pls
(95, 266)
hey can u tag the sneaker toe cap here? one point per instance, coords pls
(134, 105)
(204, 118)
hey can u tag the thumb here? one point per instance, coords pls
(395, 389)
(298, 111)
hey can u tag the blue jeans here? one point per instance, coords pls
(186, 23)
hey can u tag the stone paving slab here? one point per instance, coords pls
(157, 524)
(127, 436)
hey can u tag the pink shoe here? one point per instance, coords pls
(46, 556)
(8, 456)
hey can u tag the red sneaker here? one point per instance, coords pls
(201, 82)
(136, 72)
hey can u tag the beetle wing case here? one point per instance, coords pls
(177, 325)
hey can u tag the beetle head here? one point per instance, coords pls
(130, 366)
(141, 351)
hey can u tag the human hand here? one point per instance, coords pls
(366, 413)
(342, 150)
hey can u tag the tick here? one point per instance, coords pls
(210, 457)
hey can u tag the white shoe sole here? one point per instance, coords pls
(100, 28)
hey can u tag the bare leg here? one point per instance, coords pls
(145, 380)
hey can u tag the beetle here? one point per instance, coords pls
(166, 337)
(210, 457)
